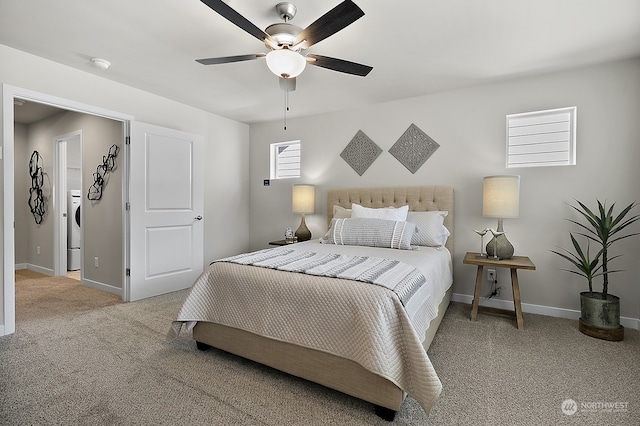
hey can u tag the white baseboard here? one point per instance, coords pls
(550, 311)
(37, 268)
(18, 266)
(101, 286)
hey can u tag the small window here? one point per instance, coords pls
(285, 160)
(542, 138)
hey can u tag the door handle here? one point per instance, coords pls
(198, 217)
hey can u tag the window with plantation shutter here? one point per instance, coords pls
(542, 138)
(285, 160)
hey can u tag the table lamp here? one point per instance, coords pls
(501, 199)
(303, 201)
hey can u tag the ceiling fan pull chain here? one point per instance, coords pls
(286, 105)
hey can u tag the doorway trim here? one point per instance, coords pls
(60, 190)
(9, 93)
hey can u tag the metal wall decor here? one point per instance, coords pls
(102, 172)
(361, 152)
(413, 148)
(36, 198)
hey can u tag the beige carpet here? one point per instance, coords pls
(40, 296)
(75, 360)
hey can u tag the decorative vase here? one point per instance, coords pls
(600, 316)
(502, 249)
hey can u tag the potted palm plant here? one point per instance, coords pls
(600, 311)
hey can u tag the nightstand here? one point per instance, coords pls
(280, 243)
(515, 263)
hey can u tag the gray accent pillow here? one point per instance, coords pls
(431, 231)
(371, 233)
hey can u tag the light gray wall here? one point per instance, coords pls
(21, 194)
(40, 138)
(469, 125)
(226, 141)
(101, 219)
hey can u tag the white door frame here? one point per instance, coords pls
(60, 212)
(9, 93)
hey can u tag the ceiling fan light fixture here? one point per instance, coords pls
(286, 63)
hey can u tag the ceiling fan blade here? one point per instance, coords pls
(234, 17)
(340, 65)
(229, 59)
(287, 84)
(330, 23)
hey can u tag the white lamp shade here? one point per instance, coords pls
(303, 199)
(286, 63)
(501, 196)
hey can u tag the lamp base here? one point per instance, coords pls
(303, 233)
(501, 249)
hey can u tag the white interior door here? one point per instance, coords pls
(166, 196)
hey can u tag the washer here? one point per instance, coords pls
(74, 200)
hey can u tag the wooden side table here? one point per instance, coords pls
(515, 263)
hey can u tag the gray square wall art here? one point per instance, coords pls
(413, 148)
(361, 152)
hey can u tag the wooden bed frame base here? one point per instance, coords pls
(320, 367)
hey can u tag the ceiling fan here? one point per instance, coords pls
(285, 41)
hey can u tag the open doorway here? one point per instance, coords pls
(36, 251)
(55, 238)
(107, 214)
(68, 202)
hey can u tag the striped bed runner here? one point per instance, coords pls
(401, 278)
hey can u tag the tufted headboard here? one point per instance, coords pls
(419, 199)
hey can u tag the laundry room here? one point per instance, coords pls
(60, 228)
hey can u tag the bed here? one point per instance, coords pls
(324, 336)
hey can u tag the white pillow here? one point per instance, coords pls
(387, 213)
(431, 231)
(340, 212)
(372, 233)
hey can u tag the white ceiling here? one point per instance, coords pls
(416, 47)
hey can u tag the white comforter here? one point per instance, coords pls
(359, 321)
